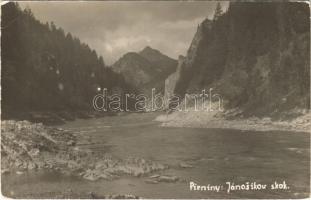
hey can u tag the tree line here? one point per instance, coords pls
(44, 68)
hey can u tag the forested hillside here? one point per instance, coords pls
(44, 68)
(256, 55)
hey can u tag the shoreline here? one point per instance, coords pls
(217, 120)
(58, 151)
(52, 118)
(33, 146)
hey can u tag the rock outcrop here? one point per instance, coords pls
(171, 81)
(255, 55)
(191, 64)
(25, 145)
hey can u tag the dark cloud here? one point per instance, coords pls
(116, 27)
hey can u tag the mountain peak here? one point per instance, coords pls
(148, 50)
(146, 69)
(157, 58)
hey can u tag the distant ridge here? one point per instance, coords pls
(146, 69)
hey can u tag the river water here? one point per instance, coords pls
(217, 156)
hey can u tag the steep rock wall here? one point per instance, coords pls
(256, 55)
(171, 81)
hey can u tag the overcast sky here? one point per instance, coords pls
(117, 27)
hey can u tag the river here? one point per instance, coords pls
(214, 156)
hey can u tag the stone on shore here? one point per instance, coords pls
(27, 146)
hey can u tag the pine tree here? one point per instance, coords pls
(218, 12)
(48, 69)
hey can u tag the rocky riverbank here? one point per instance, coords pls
(54, 117)
(229, 120)
(33, 146)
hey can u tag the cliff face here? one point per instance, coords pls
(256, 56)
(145, 70)
(171, 81)
(190, 66)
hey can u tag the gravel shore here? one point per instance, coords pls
(216, 119)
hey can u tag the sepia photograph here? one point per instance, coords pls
(155, 99)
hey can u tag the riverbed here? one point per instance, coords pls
(204, 156)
